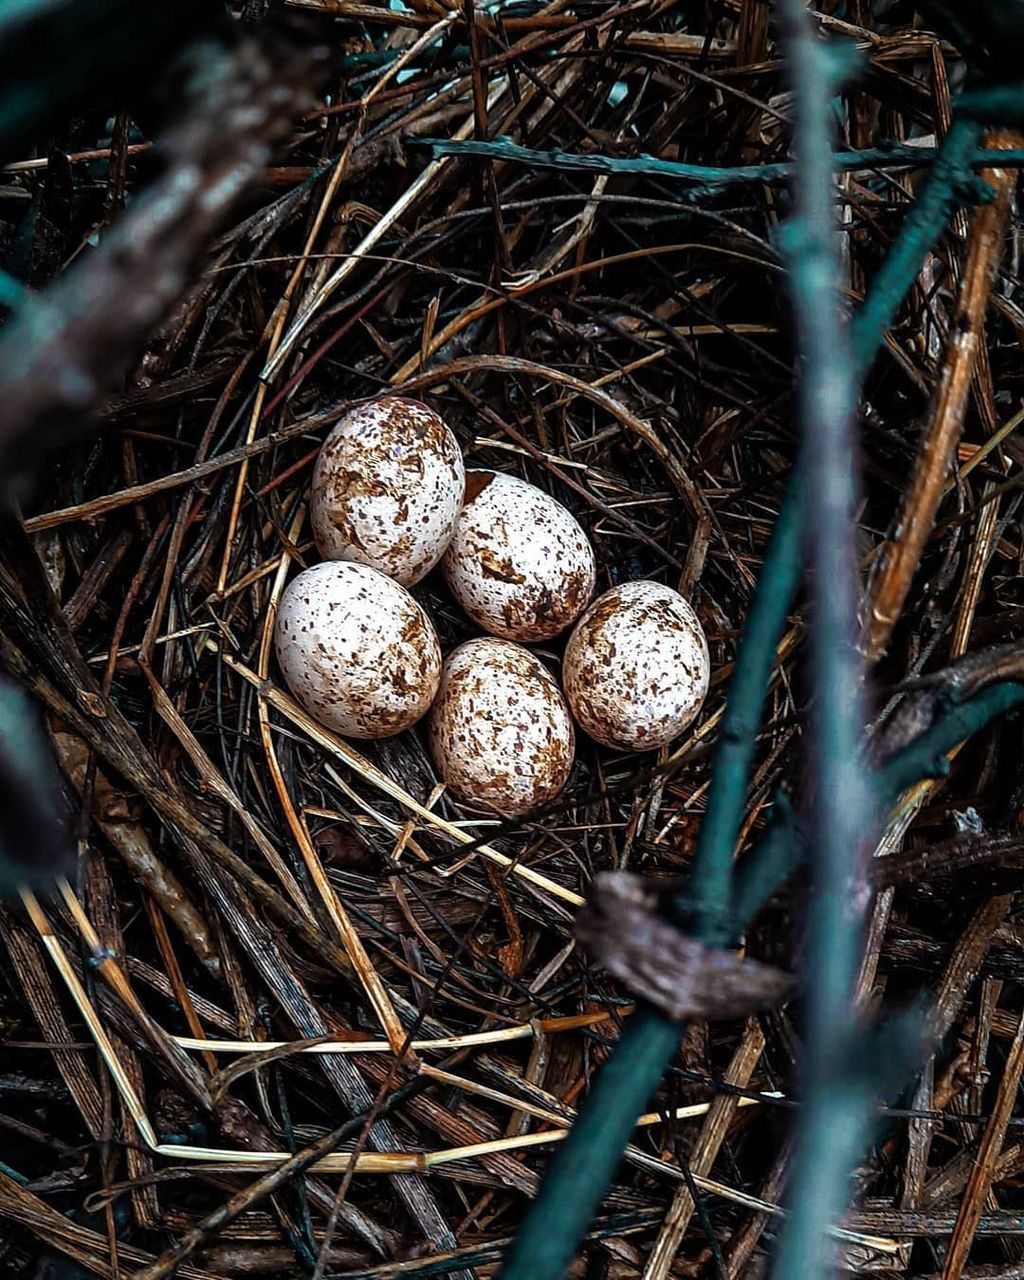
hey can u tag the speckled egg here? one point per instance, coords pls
(519, 563)
(636, 667)
(500, 732)
(356, 650)
(387, 488)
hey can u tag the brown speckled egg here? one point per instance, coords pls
(387, 488)
(356, 650)
(519, 563)
(500, 732)
(636, 667)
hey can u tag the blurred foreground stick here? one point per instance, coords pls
(68, 348)
(34, 842)
(56, 55)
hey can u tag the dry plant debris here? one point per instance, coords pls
(300, 1012)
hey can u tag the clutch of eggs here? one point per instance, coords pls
(390, 499)
(387, 487)
(356, 650)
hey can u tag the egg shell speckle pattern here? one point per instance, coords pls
(636, 667)
(519, 563)
(500, 731)
(356, 650)
(387, 488)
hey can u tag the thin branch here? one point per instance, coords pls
(708, 178)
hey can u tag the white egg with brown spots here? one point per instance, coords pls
(387, 488)
(519, 563)
(356, 650)
(636, 668)
(500, 731)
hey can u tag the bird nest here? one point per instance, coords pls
(295, 1001)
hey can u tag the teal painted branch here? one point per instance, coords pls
(709, 891)
(938, 199)
(833, 1116)
(771, 862)
(578, 1177)
(12, 292)
(581, 1171)
(837, 1125)
(837, 1115)
(782, 848)
(840, 805)
(893, 156)
(926, 756)
(995, 103)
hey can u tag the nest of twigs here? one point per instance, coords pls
(247, 879)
